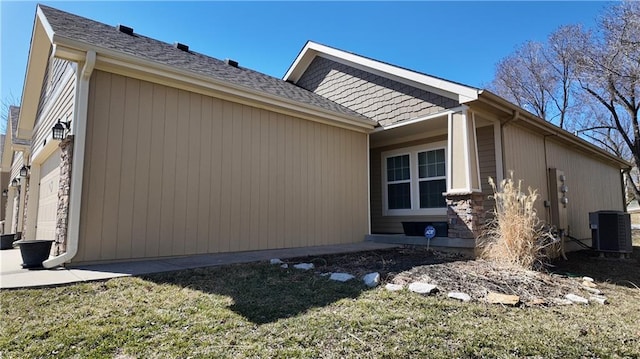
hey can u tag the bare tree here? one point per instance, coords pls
(587, 82)
(521, 78)
(540, 77)
(609, 71)
(6, 103)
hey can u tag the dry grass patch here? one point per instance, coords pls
(515, 234)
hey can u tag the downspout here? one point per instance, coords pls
(514, 117)
(77, 165)
(624, 189)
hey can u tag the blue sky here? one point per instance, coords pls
(459, 41)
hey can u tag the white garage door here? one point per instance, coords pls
(48, 197)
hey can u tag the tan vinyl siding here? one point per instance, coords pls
(487, 161)
(58, 104)
(392, 224)
(593, 185)
(524, 154)
(171, 173)
(16, 164)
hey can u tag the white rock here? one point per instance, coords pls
(393, 287)
(341, 277)
(423, 288)
(576, 299)
(372, 279)
(562, 301)
(600, 299)
(587, 279)
(303, 266)
(276, 261)
(285, 266)
(592, 290)
(459, 296)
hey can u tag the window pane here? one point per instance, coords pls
(431, 164)
(399, 195)
(398, 168)
(431, 194)
(422, 164)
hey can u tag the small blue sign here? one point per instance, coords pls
(429, 232)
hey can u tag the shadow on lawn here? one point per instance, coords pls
(264, 293)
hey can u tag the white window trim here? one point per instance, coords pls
(415, 209)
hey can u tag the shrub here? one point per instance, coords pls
(514, 234)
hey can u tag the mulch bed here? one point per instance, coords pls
(476, 277)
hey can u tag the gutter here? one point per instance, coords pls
(77, 165)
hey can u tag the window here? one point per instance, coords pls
(399, 182)
(431, 178)
(414, 180)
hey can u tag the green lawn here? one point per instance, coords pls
(259, 310)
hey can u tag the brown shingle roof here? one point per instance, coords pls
(108, 37)
(14, 114)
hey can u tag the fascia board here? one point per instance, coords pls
(112, 60)
(34, 76)
(442, 87)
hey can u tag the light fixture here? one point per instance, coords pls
(5, 193)
(15, 182)
(24, 171)
(60, 129)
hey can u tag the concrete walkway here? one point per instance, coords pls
(12, 275)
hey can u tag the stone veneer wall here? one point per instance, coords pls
(16, 211)
(466, 215)
(26, 200)
(64, 188)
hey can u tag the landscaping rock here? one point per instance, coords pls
(588, 284)
(423, 288)
(341, 277)
(393, 287)
(505, 299)
(587, 279)
(371, 279)
(600, 299)
(593, 290)
(536, 301)
(576, 299)
(562, 302)
(459, 296)
(303, 266)
(285, 266)
(276, 261)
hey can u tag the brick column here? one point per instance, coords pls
(64, 188)
(465, 214)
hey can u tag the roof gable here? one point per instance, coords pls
(311, 50)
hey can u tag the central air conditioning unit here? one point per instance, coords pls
(611, 231)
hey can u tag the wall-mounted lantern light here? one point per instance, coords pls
(5, 193)
(15, 182)
(24, 171)
(60, 130)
